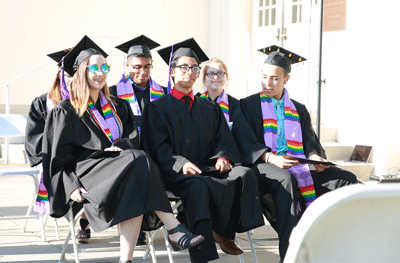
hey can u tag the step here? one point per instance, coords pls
(363, 171)
(16, 154)
(336, 151)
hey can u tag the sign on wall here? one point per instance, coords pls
(334, 15)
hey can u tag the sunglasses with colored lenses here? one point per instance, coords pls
(94, 69)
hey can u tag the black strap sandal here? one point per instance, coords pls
(83, 235)
(184, 241)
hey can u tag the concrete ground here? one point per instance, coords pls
(18, 246)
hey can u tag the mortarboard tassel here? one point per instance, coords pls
(123, 68)
(169, 72)
(63, 85)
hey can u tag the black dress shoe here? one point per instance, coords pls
(142, 240)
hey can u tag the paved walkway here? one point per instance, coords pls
(19, 246)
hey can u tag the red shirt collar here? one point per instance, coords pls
(178, 94)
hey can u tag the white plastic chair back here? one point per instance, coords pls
(357, 223)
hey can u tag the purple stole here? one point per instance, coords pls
(294, 140)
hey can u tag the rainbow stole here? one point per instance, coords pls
(42, 204)
(294, 141)
(110, 124)
(125, 91)
(222, 101)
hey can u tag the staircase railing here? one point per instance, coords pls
(8, 83)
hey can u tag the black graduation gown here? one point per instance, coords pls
(173, 136)
(139, 96)
(250, 149)
(34, 129)
(325, 181)
(121, 185)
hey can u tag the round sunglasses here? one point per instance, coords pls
(94, 69)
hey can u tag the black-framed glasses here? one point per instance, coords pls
(146, 68)
(94, 69)
(219, 74)
(185, 68)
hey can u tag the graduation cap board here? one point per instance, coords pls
(138, 46)
(57, 56)
(188, 48)
(84, 49)
(281, 57)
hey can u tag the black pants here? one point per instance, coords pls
(279, 195)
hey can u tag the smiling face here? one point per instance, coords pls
(96, 80)
(273, 80)
(211, 79)
(139, 69)
(184, 81)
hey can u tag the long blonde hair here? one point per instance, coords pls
(80, 89)
(55, 91)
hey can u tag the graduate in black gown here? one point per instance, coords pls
(278, 192)
(138, 87)
(284, 126)
(187, 136)
(91, 157)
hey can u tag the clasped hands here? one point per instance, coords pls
(76, 195)
(222, 165)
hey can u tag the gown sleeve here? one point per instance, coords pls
(311, 142)
(59, 155)
(250, 149)
(130, 136)
(34, 130)
(155, 134)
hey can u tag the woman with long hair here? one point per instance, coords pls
(91, 158)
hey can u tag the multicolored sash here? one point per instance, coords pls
(294, 140)
(222, 101)
(125, 91)
(110, 124)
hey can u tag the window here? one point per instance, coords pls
(266, 13)
(296, 11)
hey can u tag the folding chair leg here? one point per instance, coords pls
(169, 251)
(241, 259)
(56, 229)
(253, 253)
(41, 218)
(29, 211)
(150, 248)
(72, 223)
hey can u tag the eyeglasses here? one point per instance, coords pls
(186, 68)
(219, 74)
(94, 69)
(146, 68)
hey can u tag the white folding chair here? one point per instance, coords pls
(356, 223)
(34, 173)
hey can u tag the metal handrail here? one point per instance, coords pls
(7, 84)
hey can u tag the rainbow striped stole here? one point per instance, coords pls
(222, 101)
(125, 91)
(294, 141)
(110, 124)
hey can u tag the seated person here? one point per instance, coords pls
(90, 157)
(184, 134)
(284, 126)
(138, 88)
(281, 213)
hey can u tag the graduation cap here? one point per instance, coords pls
(84, 49)
(281, 57)
(138, 46)
(187, 48)
(57, 56)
